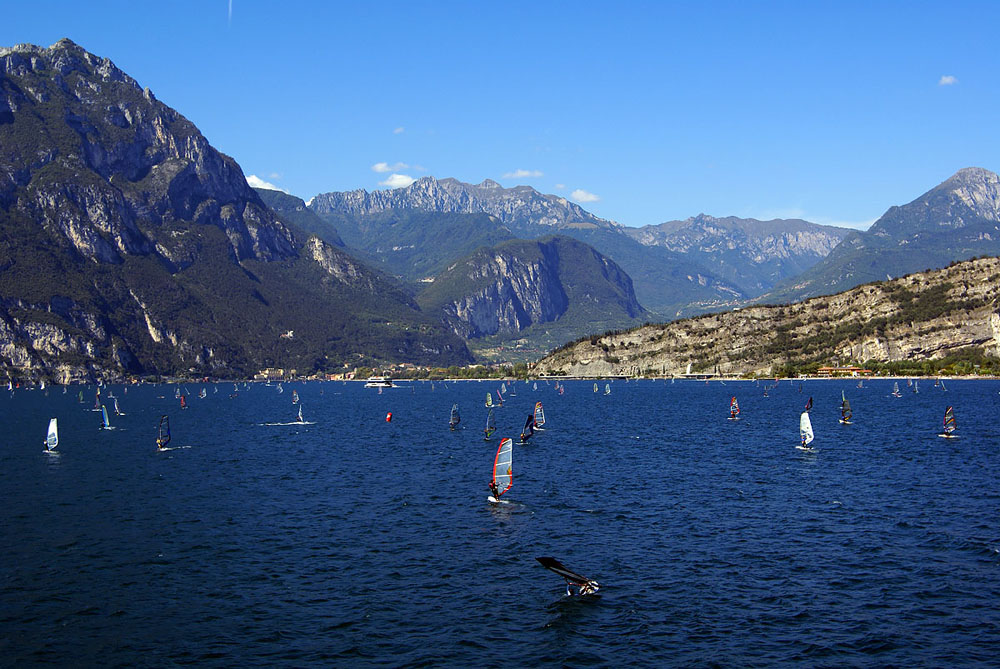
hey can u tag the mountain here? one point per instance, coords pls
(752, 255)
(521, 208)
(294, 210)
(548, 289)
(414, 244)
(957, 220)
(130, 245)
(905, 324)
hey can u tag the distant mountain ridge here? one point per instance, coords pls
(956, 220)
(520, 208)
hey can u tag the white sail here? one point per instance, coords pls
(805, 428)
(503, 473)
(52, 438)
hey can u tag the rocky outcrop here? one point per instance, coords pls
(521, 208)
(511, 287)
(917, 317)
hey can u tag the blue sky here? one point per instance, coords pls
(641, 111)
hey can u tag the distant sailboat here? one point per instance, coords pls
(916, 385)
(529, 428)
(184, 404)
(295, 397)
(455, 418)
(163, 433)
(503, 387)
(734, 409)
(534, 385)
(607, 389)
(491, 425)
(503, 474)
(845, 409)
(809, 404)
(105, 423)
(97, 400)
(805, 430)
(499, 399)
(949, 424)
(595, 387)
(52, 437)
(539, 416)
(299, 417)
(489, 400)
(895, 390)
(203, 394)
(118, 412)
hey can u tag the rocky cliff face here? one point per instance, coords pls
(130, 245)
(516, 285)
(754, 255)
(916, 317)
(957, 220)
(521, 208)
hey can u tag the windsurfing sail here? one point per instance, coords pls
(163, 433)
(300, 414)
(529, 428)
(491, 424)
(295, 397)
(534, 385)
(809, 404)
(949, 420)
(455, 418)
(734, 408)
(805, 429)
(52, 438)
(183, 403)
(503, 387)
(79, 397)
(503, 474)
(177, 392)
(539, 416)
(203, 394)
(97, 400)
(845, 408)
(118, 412)
(595, 387)
(607, 388)
(499, 398)
(489, 400)
(895, 389)
(104, 417)
(586, 585)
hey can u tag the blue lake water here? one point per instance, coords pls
(361, 542)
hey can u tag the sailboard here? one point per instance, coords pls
(455, 417)
(52, 437)
(300, 414)
(607, 388)
(295, 397)
(503, 475)
(105, 423)
(595, 387)
(529, 428)
(499, 399)
(895, 390)
(491, 425)
(163, 433)
(97, 400)
(845, 409)
(503, 387)
(734, 409)
(489, 400)
(584, 585)
(534, 385)
(539, 416)
(203, 393)
(184, 404)
(118, 412)
(805, 431)
(949, 424)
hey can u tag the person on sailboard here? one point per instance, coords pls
(494, 490)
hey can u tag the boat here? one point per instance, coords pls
(378, 382)
(607, 388)
(295, 397)
(595, 387)
(105, 423)
(489, 400)
(539, 416)
(845, 409)
(52, 437)
(455, 418)
(118, 412)
(491, 425)
(949, 424)
(734, 409)
(163, 433)
(529, 428)
(503, 474)
(805, 431)
(895, 389)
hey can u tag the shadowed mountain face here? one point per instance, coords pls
(130, 244)
(957, 220)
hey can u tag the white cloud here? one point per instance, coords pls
(399, 130)
(523, 174)
(397, 181)
(581, 195)
(382, 168)
(947, 80)
(560, 186)
(257, 182)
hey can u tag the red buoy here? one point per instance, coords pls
(388, 417)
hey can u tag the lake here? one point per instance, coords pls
(355, 541)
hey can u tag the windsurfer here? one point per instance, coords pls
(494, 490)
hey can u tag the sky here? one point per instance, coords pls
(642, 112)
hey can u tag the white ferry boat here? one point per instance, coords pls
(378, 382)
